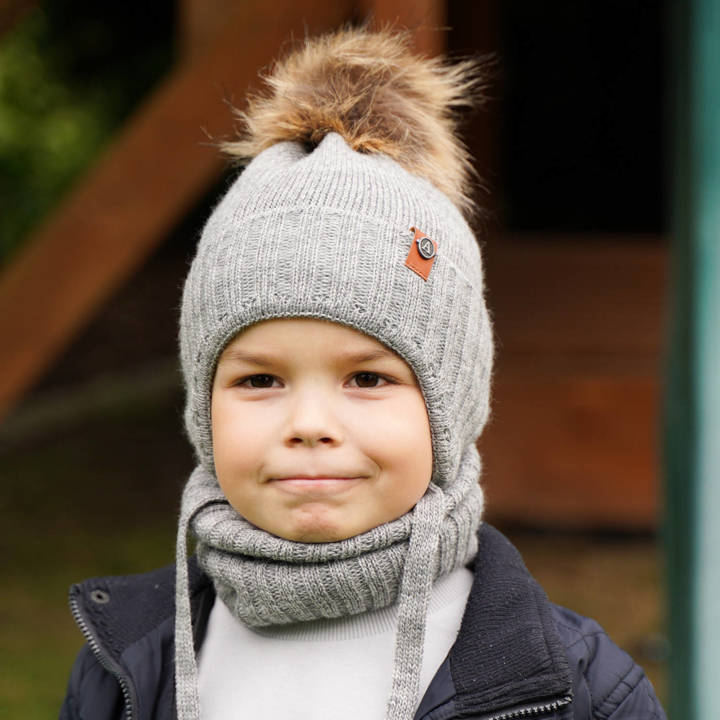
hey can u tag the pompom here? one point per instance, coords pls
(370, 88)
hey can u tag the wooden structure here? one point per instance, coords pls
(578, 321)
(155, 170)
(574, 436)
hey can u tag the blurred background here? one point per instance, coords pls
(108, 118)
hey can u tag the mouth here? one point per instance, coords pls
(315, 485)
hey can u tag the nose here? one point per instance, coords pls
(312, 419)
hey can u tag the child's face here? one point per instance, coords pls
(319, 431)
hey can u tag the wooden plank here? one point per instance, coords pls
(157, 167)
(574, 453)
(426, 18)
(601, 296)
(580, 328)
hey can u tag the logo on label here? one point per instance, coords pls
(426, 247)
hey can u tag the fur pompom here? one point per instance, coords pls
(370, 88)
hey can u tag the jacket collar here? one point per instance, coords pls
(521, 659)
(519, 662)
(115, 612)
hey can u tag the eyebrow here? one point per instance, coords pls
(362, 357)
(250, 358)
(265, 360)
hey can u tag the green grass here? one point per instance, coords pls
(38, 636)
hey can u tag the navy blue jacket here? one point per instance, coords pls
(516, 655)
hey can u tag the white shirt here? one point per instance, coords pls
(319, 670)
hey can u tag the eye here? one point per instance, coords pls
(368, 380)
(259, 381)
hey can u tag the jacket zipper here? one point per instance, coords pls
(530, 711)
(102, 658)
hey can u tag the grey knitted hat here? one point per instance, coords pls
(326, 234)
(351, 211)
(361, 157)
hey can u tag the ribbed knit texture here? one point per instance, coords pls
(421, 567)
(325, 234)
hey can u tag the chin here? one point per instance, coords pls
(317, 535)
(317, 530)
(306, 524)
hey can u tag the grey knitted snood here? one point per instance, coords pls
(325, 232)
(266, 580)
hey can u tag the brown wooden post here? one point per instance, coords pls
(475, 32)
(426, 18)
(200, 22)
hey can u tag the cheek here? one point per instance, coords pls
(239, 444)
(238, 436)
(397, 438)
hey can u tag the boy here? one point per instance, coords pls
(337, 352)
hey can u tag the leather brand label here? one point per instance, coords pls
(422, 254)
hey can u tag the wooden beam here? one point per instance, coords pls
(426, 18)
(158, 166)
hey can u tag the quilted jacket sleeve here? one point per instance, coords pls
(607, 683)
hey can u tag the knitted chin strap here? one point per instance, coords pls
(395, 562)
(187, 702)
(414, 597)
